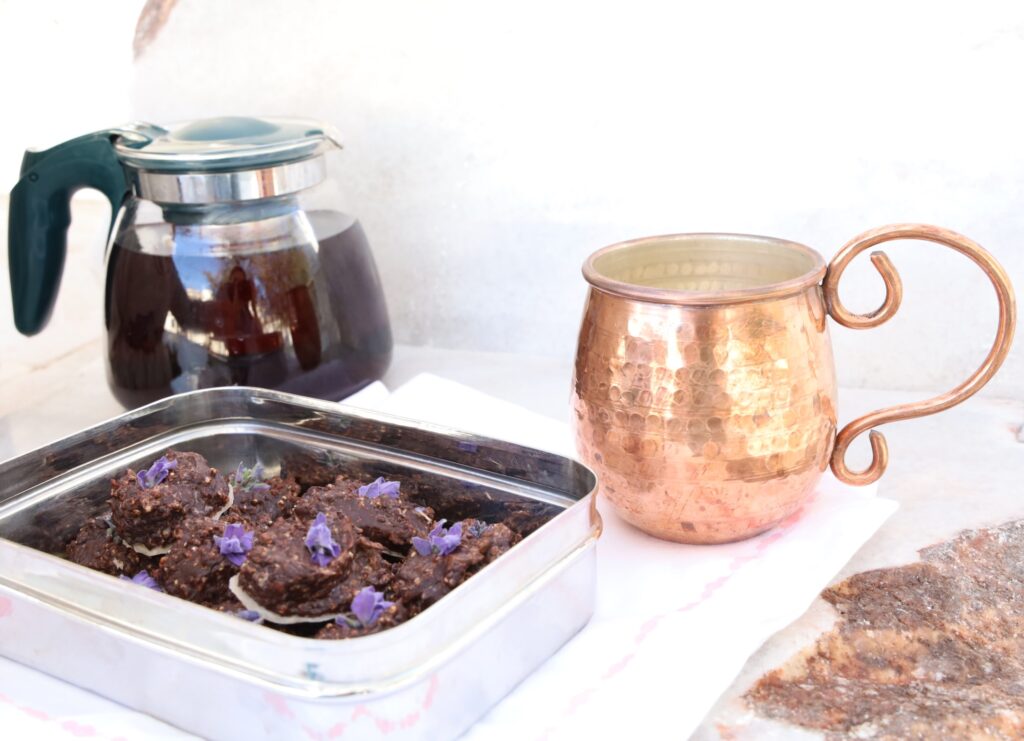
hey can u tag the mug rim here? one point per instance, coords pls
(780, 289)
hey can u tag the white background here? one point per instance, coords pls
(492, 146)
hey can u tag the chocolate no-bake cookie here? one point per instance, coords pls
(429, 574)
(257, 502)
(377, 509)
(297, 568)
(231, 606)
(463, 500)
(310, 469)
(342, 560)
(369, 568)
(339, 628)
(97, 547)
(369, 612)
(148, 507)
(202, 560)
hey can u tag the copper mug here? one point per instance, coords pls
(704, 389)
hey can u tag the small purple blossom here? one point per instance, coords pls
(476, 528)
(249, 479)
(440, 541)
(234, 544)
(367, 607)
(380, 488)
(320, 543)
(156, 473)
(467, 446)
(143, 579)
(251, 615)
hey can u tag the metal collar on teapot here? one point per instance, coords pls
(224, 159)
(225, 187)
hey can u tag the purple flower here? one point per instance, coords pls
(156, 473)
(477, 528)
(467, 446)
(321, 545)
(440, 541)
(368, 606)
(379, 488)
(249, 479)
(143, 579)
(251, 615)
(234, 544)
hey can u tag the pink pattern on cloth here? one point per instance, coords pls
(78, 729)
(34, 712)
(81, 730)
(649, 626)
(278, 704)
(312, 733)
(6, 608)
(384, 725)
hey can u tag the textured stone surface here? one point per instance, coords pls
(933, 649)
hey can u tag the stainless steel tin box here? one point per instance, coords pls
(221, 677)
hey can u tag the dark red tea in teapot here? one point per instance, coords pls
(230, 262)
(292, 302)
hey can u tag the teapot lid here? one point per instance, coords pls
(191, 168)
(219, 144)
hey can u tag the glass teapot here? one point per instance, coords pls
(228, 261)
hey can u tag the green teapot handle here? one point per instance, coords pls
(40, 213)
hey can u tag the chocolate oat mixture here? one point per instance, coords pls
(928, 650)
(330, 561)
(385, 519)
(149, 507)
(95, 547)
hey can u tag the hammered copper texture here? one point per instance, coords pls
(704, 390)
(705, 424)
(931, 650)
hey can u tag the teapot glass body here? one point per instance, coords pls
(280, 294)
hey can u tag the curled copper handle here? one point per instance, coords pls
(893, 296)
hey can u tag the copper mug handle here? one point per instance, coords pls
(893, 296)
